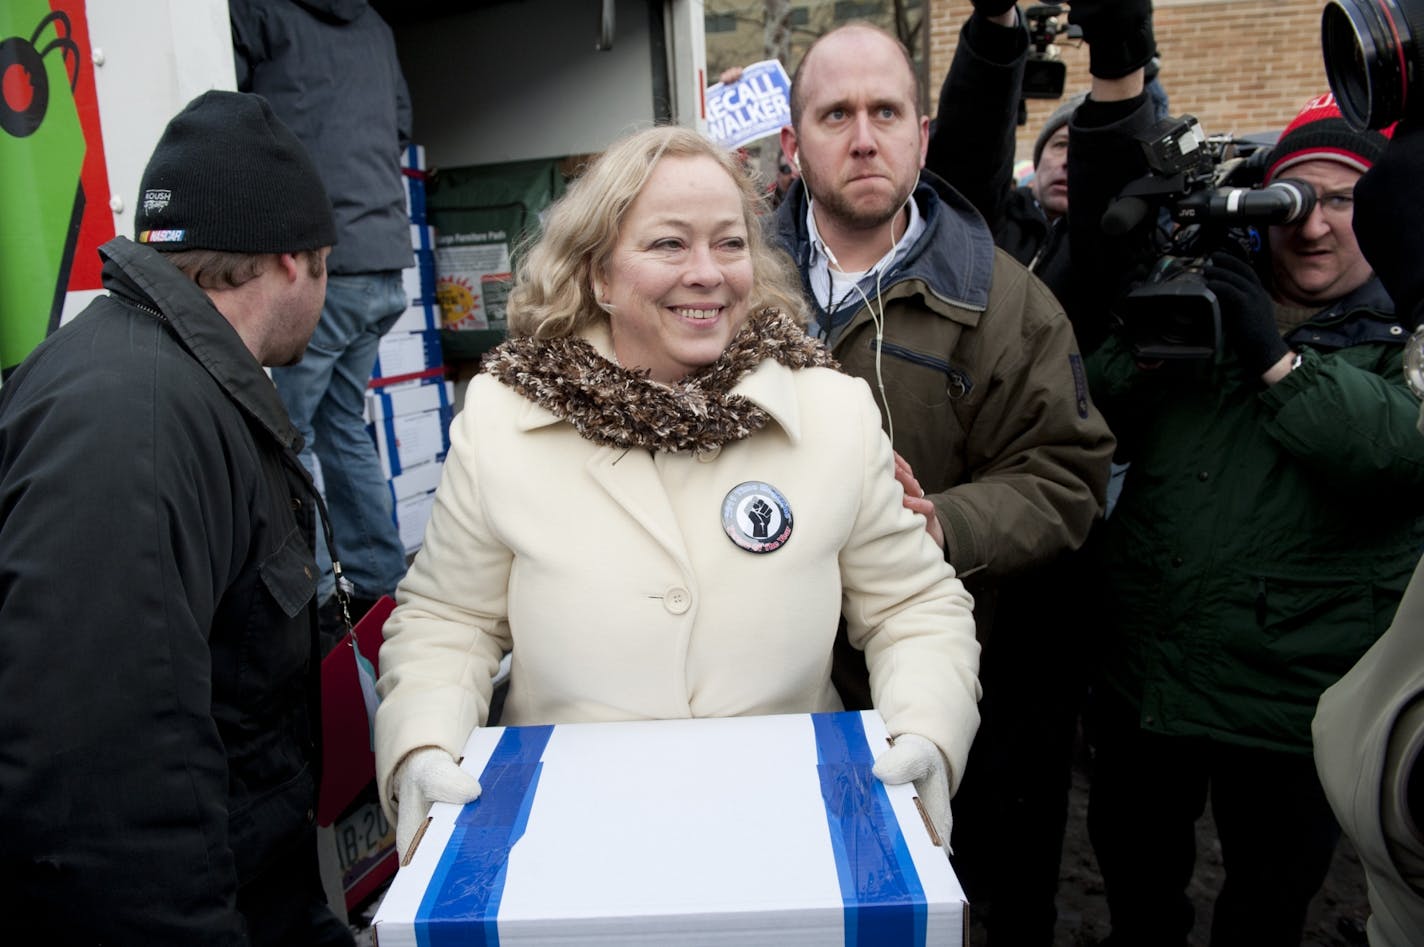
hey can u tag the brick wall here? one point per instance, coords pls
(1239, 66)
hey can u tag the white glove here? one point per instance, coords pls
(913, 758)
(427, 775)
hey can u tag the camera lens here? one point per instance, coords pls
(1371, 50)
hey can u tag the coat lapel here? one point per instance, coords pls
(629, 477)
(631, 480)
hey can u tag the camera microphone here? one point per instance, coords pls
(1286, 201)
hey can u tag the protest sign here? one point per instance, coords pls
(755, 106)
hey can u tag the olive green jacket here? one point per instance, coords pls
(987, 394)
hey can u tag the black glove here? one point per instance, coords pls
(1118, 34)
(1248, 317)
(992, 7)
(1387, 201)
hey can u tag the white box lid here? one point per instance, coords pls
(711, 831)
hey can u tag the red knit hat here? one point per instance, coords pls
(1321, 132)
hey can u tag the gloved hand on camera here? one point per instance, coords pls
(1387, 201)
(914, 759)
(1118, 34)
(1248, 316)
(992, 7)
(425, 776)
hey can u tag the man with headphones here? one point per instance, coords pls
(971, 358)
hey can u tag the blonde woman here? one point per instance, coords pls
(660, 496)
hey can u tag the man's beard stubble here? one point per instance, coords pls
(833, 203)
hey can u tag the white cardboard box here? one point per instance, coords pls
(419, 279)
(412, 513)
(413, 157)
(415, 481)
(727, 831)
(418, 317)
(422, 237)
(409, 397)
(410, 440)
(407, 354)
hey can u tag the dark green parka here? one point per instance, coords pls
(1264, 536)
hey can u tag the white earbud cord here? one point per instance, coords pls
(878, 318)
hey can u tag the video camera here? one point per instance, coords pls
(1045, 72)
(1171, 313)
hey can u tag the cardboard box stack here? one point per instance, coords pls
(411, 424)
(408, 401)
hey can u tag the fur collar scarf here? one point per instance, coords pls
(620, 407)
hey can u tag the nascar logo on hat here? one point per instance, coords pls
(161, 236)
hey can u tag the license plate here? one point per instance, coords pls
(364, 840)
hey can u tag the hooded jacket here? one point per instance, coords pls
(330, 71)
(981, 378)
(157, 630)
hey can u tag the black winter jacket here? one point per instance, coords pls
(157, 628)
(972, 148)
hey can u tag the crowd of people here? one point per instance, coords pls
(884, 439)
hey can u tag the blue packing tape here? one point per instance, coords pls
(461, 904)
(884, 900)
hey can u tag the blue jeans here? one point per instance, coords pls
(325, 395)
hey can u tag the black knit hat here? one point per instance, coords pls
(1321, 132)
(228, 175)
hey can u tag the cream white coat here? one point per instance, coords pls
(609, 576)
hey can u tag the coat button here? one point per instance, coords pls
(1177, 561)
(710, 454)
(1204, 476)
(677, 601)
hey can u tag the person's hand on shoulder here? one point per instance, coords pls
(1118, 34)
(1387, 201)
(916, 501)
(427, 775)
